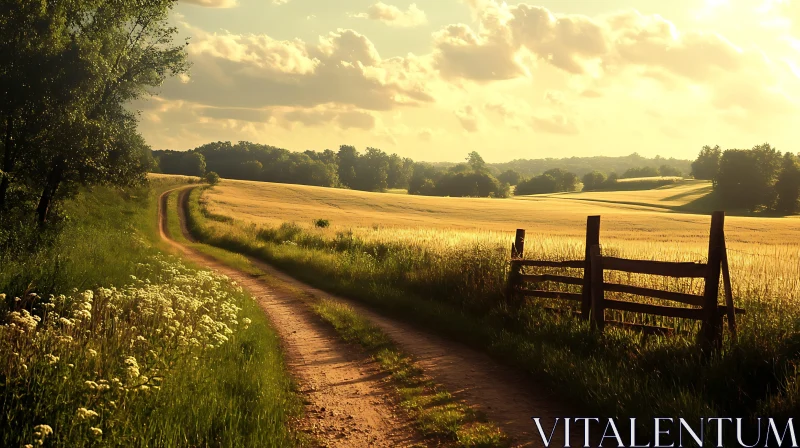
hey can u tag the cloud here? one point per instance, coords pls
(213, 3)
(469, 118)
(394, 16)
(511, 42)
(554, 124)
(257, 71)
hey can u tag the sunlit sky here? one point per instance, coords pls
(435, 79)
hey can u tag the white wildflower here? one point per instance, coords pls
(85, 414)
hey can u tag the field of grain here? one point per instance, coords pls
(407, 253)
(630, 216)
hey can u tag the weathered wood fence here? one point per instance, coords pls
(704, 308)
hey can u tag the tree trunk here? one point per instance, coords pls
(49, 191)
(8, 163)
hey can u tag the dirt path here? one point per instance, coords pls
(347, 403)
(507, 398)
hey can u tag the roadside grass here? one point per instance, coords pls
(457, 290)
(437, 413)
(112, 343)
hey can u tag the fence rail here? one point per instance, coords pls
(704, 308)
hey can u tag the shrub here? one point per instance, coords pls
(212, 178)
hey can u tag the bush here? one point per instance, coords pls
(212, 178)
(322, 223)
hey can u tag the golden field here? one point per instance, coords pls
(764, 252)
(437, 260)
(645, 216)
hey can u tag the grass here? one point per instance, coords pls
(155, 354)
(439, 416)
(452, 280)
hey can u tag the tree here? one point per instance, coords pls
(644, 171)
(348, 160)
(476, 162)
(70, 70)
(510, 177)
(707, 164)
(212, 178)
(787, 186)
(251, 170)
(669, 171)
(593, 180)
(747, 177)
(545, 183)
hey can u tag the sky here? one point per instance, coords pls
(436, 79)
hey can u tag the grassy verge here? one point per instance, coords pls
(438, 414)
(620, 374)
(112, 343)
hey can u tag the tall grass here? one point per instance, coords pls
(105, 341)
(453, 282)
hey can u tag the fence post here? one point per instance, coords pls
(592, 239)
(517, 251)
(712, 322)
(598, 292)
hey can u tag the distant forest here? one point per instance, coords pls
(584, 165)
(375, 170)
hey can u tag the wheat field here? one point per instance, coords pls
(391, 250)
(643, 216)
(764, 253)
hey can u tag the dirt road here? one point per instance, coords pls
(345, 393)
(506, 397)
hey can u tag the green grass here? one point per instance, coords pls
(459, 293)
(224, 392)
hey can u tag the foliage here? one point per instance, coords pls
(70, 70)
(147, 352)
(510, 177)
(747, 177)
(582, 165)
(471, 179)
(669, 171)
(706, 166)
(212, 178)
(552, 181)
(644, 171)
(787, 186)
(593, 181)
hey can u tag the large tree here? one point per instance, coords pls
(69, 71)
(706, 166)
(747, 177)
(788, 185)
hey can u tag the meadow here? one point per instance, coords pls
(442, 263)
(108, 341)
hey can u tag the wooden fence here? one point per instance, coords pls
(592, 298)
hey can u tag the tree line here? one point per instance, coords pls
(375, 170)
(756, 179)
(69, 71)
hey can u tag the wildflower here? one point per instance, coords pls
(84, 413)
(23, 319)
(40, 432)
(133, 367)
